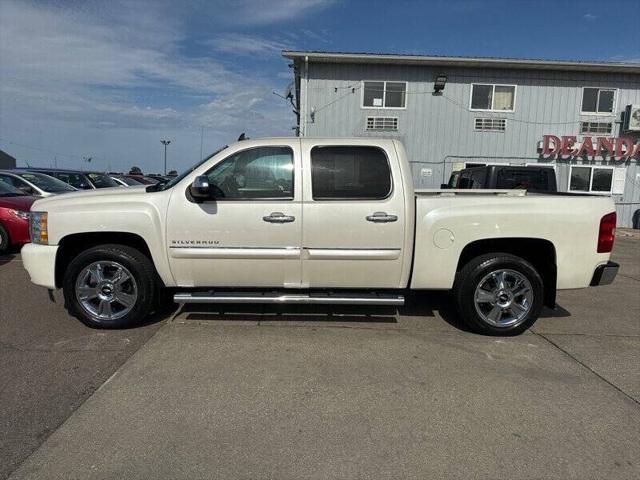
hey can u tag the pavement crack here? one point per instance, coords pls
(575, 359)
(629, 277)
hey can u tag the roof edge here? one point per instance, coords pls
(484, 62)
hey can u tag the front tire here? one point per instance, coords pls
(499, 294)
(110, 286)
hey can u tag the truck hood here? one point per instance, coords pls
(81, 197)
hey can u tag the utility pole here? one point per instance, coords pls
(201, 139)
(165, 143)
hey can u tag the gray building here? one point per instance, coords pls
(6, 160)
(583, 118)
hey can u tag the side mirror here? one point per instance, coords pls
(26, 189)
(200, 188)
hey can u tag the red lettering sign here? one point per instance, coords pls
(567, 146)
(547, 141)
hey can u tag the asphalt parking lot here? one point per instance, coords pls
(348, 393)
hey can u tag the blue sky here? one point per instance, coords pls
(110, 79)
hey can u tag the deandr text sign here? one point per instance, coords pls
(567, 146)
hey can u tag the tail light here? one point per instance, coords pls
(607, 233)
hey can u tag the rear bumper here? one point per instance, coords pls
(605, 274)
(40, 262)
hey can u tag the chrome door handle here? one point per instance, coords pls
(278, 217)
(381, 217)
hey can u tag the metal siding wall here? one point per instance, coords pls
(438, 131)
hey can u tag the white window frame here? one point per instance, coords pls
(384, 95)
(612, 123)
(591, 168)
(481, 130)
(374, 117)
(601, 114)
(493, 96)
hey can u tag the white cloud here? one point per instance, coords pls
(81, 73)
(260, 12)
(242, 44)
(589, 16)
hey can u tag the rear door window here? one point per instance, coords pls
(349, 173)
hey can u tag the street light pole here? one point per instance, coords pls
(165, 143)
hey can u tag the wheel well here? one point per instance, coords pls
(71, 245)
(540, 253)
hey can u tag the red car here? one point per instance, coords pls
(14, 216)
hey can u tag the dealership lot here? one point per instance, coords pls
(293, 392)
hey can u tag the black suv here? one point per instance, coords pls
(532, 178)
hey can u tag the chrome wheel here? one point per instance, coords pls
(106, 290)
(503, 298)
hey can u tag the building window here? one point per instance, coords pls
(596, 128)
(596, 179)
(490, 124)
(384, 94)
(382, 124)
(490, 97)
(349, 173)
(598, 100)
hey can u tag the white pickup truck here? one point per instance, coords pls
(331, 221)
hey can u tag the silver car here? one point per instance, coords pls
(33, 183)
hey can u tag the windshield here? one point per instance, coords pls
(7, 190)
(46, 183)
(102, 181)
(176, 180)
(130, 181)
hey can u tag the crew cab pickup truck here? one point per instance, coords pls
(303, 220)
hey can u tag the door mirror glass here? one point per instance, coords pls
(26, 189)
(200, 188)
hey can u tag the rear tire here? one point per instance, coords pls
(110, 286)
(499, 294)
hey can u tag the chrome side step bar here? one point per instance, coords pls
(299, 298)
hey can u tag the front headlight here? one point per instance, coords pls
(38, 228)
(21, 214)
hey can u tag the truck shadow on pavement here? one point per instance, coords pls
(427, 306)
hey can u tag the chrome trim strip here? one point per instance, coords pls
(353, 253)
(233, 252)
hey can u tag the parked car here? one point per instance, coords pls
(142, 179)
(34, 183)
(330, 221)
(14, 216)
(125, 181)
(532, 178)
(78, 179)
(159, 178)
